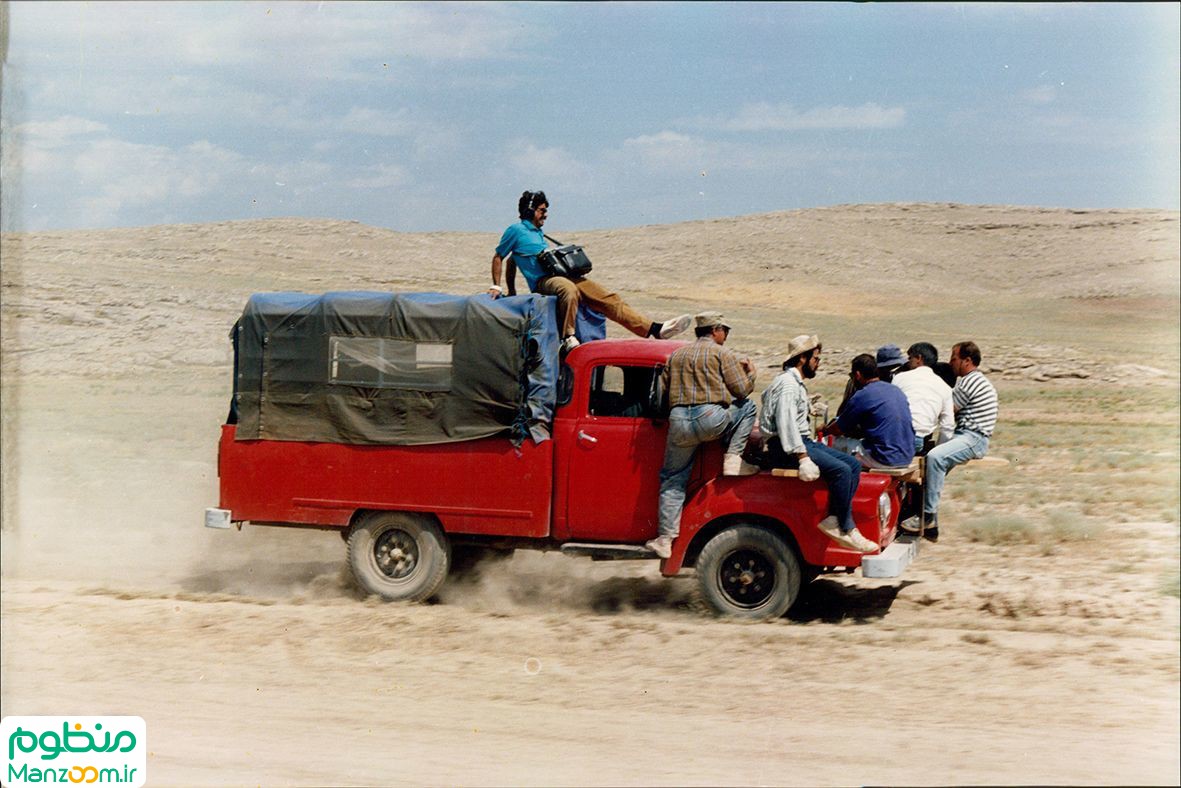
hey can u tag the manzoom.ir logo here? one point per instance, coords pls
(74, 750)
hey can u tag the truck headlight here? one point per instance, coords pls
(884, 510)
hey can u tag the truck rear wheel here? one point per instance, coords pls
(748, 572)
(399, 556)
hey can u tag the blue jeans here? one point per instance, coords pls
(964, 445)
(689, 426)
(840, 471)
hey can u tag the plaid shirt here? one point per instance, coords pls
(705, 373)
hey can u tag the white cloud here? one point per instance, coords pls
(668, 149)
(548, 164)
(1042, 94)
(123, 176)
(386, 176)
(764, 116)
(364, 120)
(330, 40)
(56, 132)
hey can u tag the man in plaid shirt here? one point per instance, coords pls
(708, 386)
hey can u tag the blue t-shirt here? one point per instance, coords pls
(525, 240)
(880, 413)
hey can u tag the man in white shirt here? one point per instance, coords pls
(930, 400)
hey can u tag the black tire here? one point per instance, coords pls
(748, 572)
(399, 556)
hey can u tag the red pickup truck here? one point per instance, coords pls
(412, 513)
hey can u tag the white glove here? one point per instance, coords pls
(809, 471)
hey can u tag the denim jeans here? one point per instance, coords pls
(964, 445)
(840, 471)
(689, 426)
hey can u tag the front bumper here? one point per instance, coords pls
(892, 561)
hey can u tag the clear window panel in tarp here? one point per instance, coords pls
(382, 362)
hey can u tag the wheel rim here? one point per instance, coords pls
(747, 578)
(395, 554)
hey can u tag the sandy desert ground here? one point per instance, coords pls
(1037, 642)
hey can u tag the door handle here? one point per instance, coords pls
(588, 438)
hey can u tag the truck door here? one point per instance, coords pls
(615, 456)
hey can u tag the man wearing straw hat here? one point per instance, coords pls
(784, 420)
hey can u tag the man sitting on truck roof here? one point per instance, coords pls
(700, 380)
(879, 415)
(524, 240)
(784, 422)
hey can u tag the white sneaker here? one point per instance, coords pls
(661, 545)
(569, 343)
(860, 543)
(671, 328)
(854, 540)
(832, 529)
(734, 465)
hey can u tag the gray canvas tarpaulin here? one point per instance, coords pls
(394, 369)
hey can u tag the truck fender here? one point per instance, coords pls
(784, 504)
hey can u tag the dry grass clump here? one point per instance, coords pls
(999, 529)
(1059, 527)
(1065, 526)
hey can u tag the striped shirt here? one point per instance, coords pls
(705, 373)
(976, 403)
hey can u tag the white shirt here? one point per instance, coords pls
(930, 402)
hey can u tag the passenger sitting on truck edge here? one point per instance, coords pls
(889, 361)
(784, 421)
(931, 408)
(879, 415)
(976, 408)
(700, 380)
(525, 240)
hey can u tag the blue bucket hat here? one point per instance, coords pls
(890, 356)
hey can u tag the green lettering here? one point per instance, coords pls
(23, 774)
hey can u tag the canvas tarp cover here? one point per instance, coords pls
(394, 369)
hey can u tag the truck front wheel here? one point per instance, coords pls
(399, 556)
(748, 572)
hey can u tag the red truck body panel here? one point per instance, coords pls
(475, 487)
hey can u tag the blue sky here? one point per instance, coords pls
(436, 116)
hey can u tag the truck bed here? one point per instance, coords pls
(486, 487)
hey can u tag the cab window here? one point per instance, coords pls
(621, 392)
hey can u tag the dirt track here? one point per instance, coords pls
(255, 660)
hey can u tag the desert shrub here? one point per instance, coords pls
(999, 529)
(1067, 526)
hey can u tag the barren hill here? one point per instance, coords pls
(168, 294)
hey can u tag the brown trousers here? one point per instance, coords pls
(571, 291)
